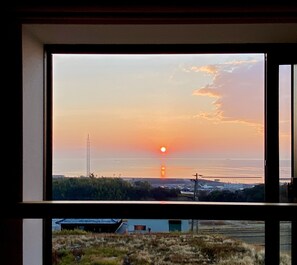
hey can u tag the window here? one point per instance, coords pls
(157, 119)
(48, 211)
(57, 110)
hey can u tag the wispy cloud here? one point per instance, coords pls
(240, 62)
(209, 69)
(238, 87)
(208, 91)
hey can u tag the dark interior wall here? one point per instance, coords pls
(11, 181)
(157, 11)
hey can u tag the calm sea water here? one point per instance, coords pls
(231, 170)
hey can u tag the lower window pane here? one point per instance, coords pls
(285, 242)
(158, 241)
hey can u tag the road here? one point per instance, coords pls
(252, 232)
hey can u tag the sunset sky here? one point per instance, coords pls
(197, 106)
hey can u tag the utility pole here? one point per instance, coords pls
(195, 198)
(195, 195)
(88, 173)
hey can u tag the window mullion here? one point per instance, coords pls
(272, 227)
(271, 130)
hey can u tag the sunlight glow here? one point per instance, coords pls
(163, 149)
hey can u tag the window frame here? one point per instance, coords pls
(118, 49)
(217, 23)
(163, 210)
(64, 22)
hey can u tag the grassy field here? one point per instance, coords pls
(79, 247)
(251, 232)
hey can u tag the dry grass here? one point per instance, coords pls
(154, 249)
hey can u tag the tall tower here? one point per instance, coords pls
(88, 157)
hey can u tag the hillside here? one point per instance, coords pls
(151, 249)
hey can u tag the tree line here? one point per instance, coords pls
(109, 189)
(254, 194)
(104, 188)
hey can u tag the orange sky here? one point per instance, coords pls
(131, 105)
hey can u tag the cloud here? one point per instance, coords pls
(209, 69)
(210, 116)
(240, 62)
(238, 87)
(206, 91)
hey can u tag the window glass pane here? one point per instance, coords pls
(285, 128)
(158, 127)
(285, 145)
(285, 242)
(157, 241)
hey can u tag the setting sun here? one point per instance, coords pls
(163, 149)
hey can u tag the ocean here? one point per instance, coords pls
(227, 170)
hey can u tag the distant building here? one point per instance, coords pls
(55, 224)
(58, 176)
(92, 225)
(157, 225)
